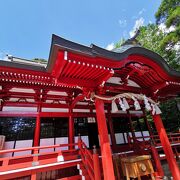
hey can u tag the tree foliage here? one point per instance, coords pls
(166, 11)
(171, 115)
(151, 38)
(40, 60)
(162, 42)
(169, 14)
(119, 44)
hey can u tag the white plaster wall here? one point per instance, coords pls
(146, 133)
(19, 109)
(62, 140)
(81, 110)
(119, 138)
(8, 145)
(47, 142)
(23, 144)
(55, 110)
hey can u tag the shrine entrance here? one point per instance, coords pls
(81, 82)
(93, 135)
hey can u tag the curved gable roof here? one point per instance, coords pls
(59, 43)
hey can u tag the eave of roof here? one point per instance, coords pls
(22, 66)
(59, 43)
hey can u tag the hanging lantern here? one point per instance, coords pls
(126, 103)
(136, 103)
(114, 107)
(122, 105)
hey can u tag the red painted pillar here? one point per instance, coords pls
(71, 129)
(157, 161)
(104, 141)
(37, 130)
(97, 169)
(167, 147)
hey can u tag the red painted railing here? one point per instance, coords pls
(173, 138)
(36, 159)
(90, 160)
(147, 144)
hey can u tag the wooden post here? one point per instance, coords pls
(112, 134)
(166, 147)
(37, 131)
(97, 172)
(79, 141)
(157, 160)
(104, 141)
(33, 176)
(131, 125)
(139, 125)
(71, 129)
(37, 127)
(147, 124)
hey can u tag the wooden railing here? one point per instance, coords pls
(173, 138)
(90, 160)
(152, 145)
(36, 159)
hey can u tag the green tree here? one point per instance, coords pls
(119, 44)
(169, 14)
(40, 60)
(150, 37)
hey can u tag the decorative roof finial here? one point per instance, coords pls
(133, 40)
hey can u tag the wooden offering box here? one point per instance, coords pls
(137, 166)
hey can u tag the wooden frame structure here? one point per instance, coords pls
(79, 72)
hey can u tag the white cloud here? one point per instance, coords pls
(142, 11)
(164, 29)
(110, 46)
(138, 23)
(122, 23)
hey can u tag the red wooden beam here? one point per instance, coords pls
(23, 71)
(76, 82)
(48, 87)
(104, 141)
(37, 169)
(35, 104)
(117, 88)
(59, 64)
(37, 130)
(76, 100)
(167, 147)
(71, 129)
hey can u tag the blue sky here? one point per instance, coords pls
(26, 26)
